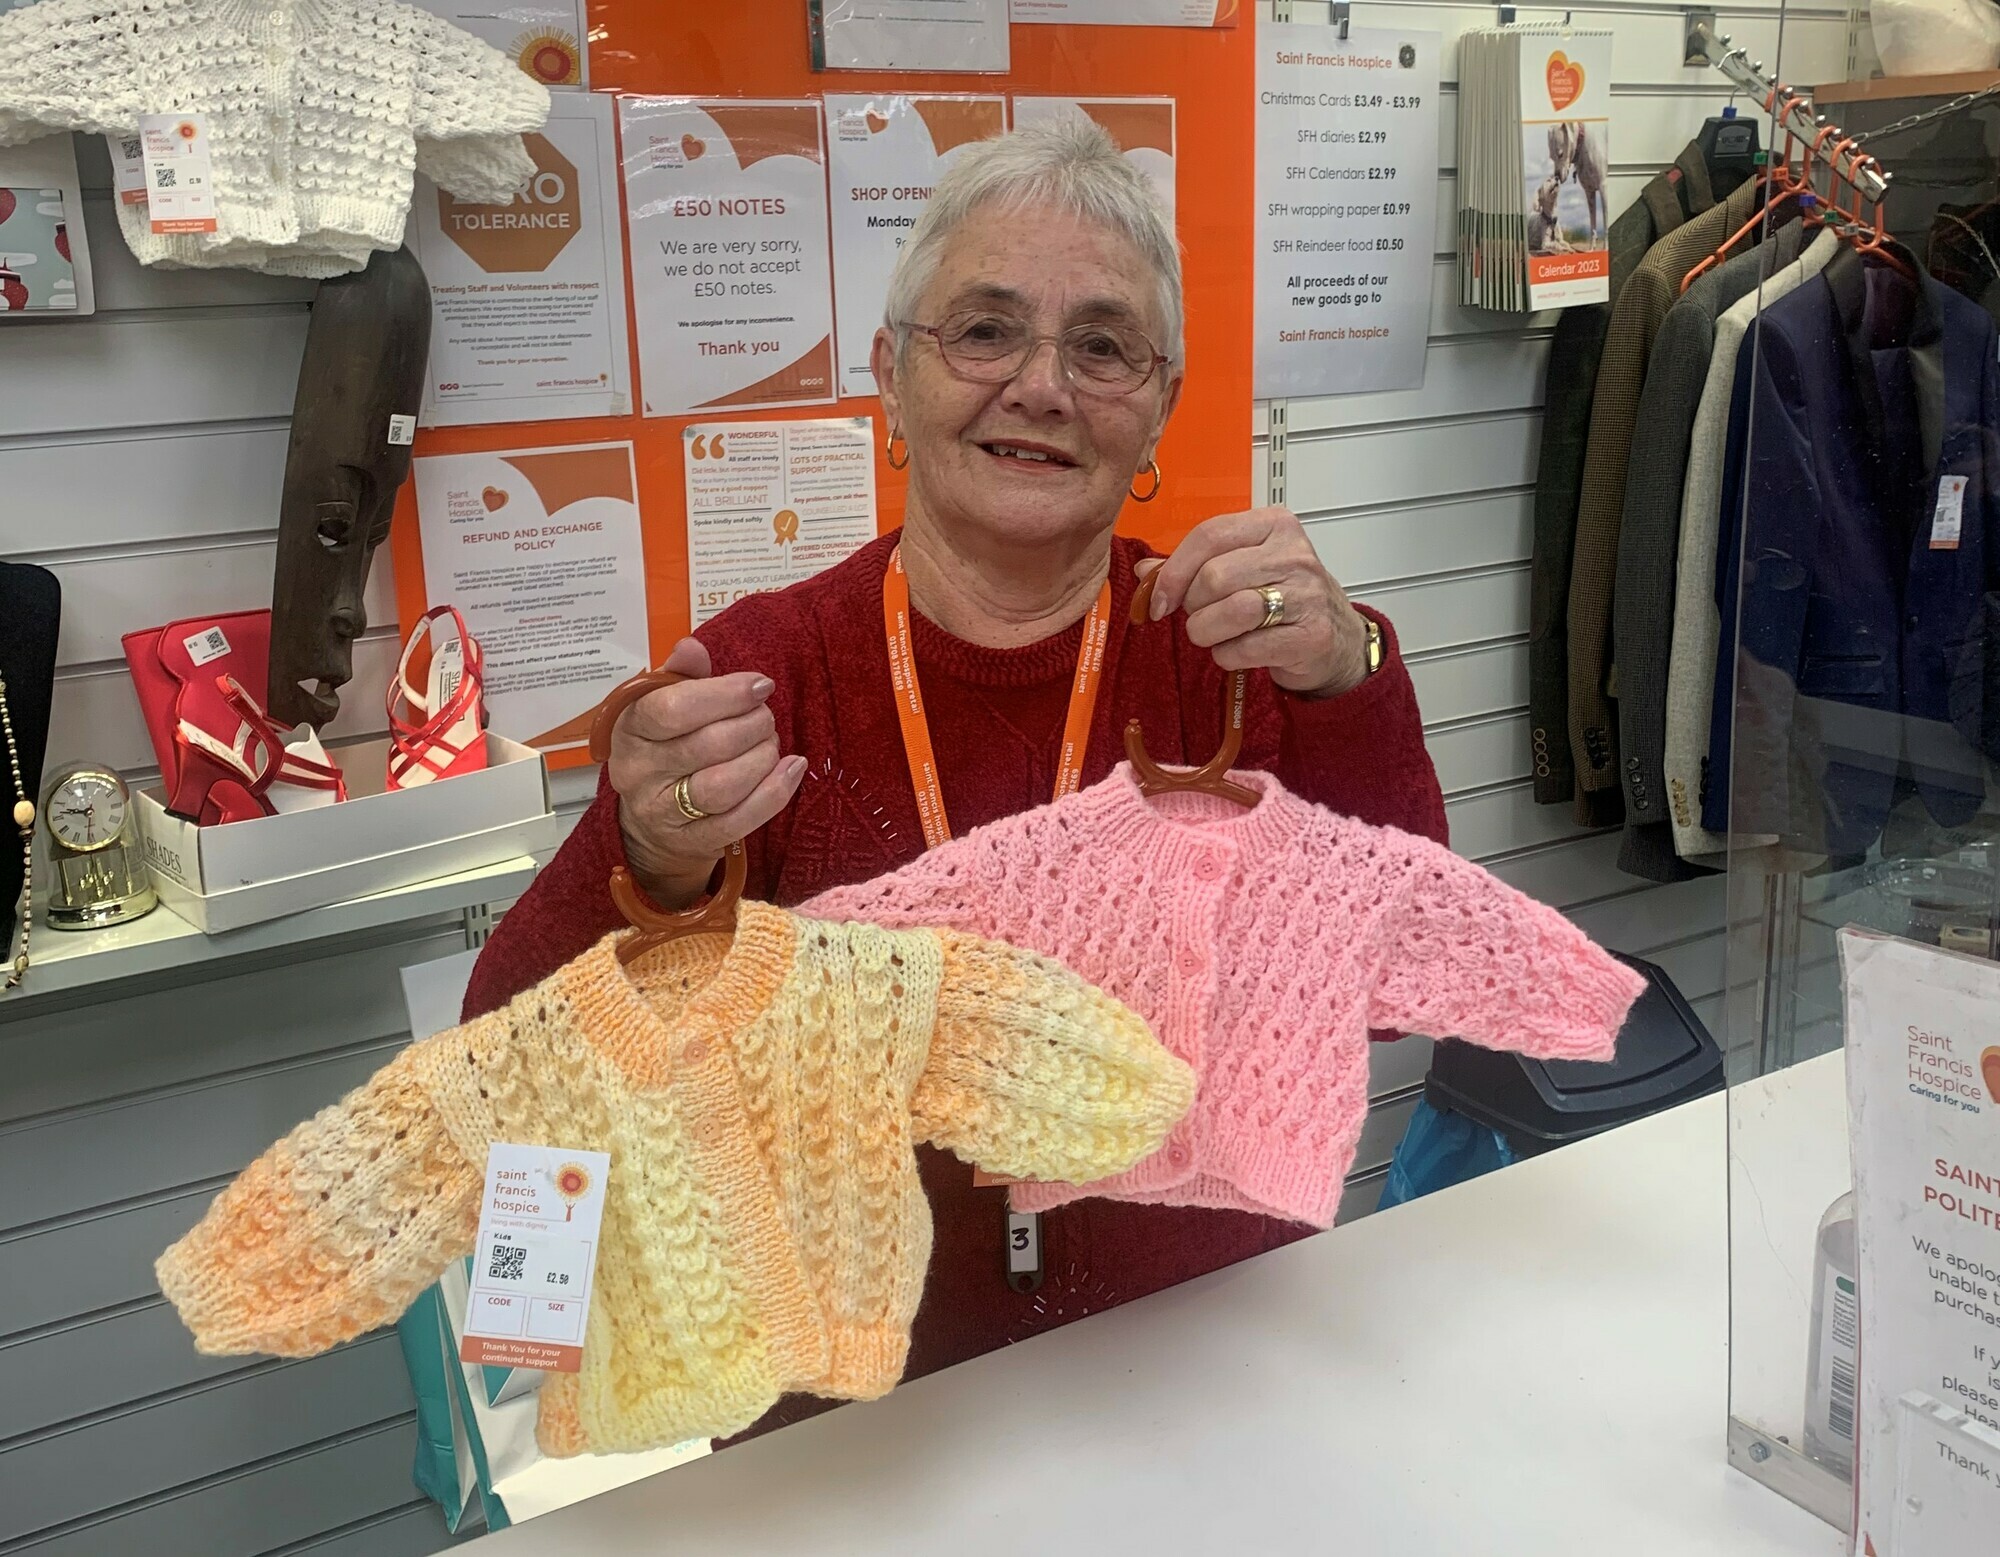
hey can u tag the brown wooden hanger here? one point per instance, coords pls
(1212, 777)
(657, 926)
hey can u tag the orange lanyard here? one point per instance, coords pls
(917, 729)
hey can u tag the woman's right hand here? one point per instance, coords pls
(717, 732)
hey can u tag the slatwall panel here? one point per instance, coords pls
(141, 454)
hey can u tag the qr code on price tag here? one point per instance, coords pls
(208, 644)
(508, 1263)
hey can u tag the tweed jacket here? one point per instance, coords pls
(1649, 541)
(1691, 658)
(1665, 202)
(1866, 567)
(1635, 322)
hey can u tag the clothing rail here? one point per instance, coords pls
(1794, 111)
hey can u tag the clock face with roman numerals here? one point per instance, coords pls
(86, 810)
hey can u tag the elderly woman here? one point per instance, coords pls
(1030, 359)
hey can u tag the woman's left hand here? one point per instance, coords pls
(1320, 646)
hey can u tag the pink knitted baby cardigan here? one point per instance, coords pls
(1260, 945)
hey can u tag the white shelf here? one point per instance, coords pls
(70, 960)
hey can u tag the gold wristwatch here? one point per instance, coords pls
(1375, 650)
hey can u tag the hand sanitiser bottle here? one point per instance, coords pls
(1830, 1364)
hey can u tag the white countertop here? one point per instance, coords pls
(1531, 1363)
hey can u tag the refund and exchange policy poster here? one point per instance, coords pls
(528, 298)
(885, 153)
(1347, 157)
(539, 549)
(731, 277)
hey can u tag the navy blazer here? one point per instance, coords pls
(1859, 672)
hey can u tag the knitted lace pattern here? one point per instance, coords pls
(317, 112)
(760, 1097)
(1261, 945)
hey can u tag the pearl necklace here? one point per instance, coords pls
(24, 818)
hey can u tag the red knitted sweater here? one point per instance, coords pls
(996, 718)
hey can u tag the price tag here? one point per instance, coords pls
(208, 644)
(1948, 519)
(128, 163)
(180, 191)
(536, 1257)
(402, 430)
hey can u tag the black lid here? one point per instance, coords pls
(1665, 1056)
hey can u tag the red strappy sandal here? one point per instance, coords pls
(440, 732)
(306, 777)
(220, 778)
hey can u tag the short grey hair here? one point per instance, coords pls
(1070, 162)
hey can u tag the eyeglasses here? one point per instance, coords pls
(990, 348)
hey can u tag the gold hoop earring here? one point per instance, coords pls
(889, 451)
(1148, 496)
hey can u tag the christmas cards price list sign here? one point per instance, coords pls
(732, 280)
(1347, 166)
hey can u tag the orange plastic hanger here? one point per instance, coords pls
(1813, 205)
(1780, 171)
(1778, 183)
(1870, 238)
(1212, 777)
(657, 926)
(1789, 174)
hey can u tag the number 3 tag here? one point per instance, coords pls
(1024, 1250)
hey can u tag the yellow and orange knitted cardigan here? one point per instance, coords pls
(760, 1097)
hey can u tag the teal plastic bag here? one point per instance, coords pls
(1440, 1149)
(444, 1470)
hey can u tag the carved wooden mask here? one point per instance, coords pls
(366, 348)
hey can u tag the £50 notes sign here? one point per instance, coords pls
(726, 203)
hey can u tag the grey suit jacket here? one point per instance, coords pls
(1697, 625)
(1666, 201)
(1649, 540)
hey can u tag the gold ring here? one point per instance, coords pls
(1274, 605)
(685, 801)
